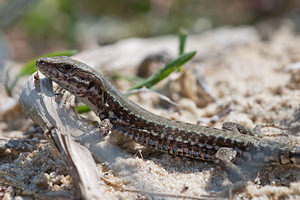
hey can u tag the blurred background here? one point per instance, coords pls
(29, 28)
(247, 72)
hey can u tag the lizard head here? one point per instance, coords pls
(52, 67)
(72, 75)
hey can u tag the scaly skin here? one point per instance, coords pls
(151, 130)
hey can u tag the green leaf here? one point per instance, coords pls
(83, 109)
(182, 39)
(165, 71)
(132, 79)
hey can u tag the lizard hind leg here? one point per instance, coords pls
(224, 158)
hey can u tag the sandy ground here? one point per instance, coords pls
(252, 78)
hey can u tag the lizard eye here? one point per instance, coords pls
(67, 67)
(42, 62)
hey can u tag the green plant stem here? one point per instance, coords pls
(165, 71)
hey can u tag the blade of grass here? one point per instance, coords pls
(132, 79)
(182, 39)
(165, 71)
(83, 109)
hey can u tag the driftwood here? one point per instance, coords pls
(61, 126)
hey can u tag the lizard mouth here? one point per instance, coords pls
(45, 67)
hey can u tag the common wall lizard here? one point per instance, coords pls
(154, 131)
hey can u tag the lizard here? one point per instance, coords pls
(170, 136)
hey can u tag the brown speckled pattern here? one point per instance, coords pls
(151, 130)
